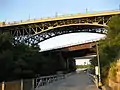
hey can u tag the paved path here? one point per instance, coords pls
(80, 81)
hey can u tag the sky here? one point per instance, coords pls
(16, 10)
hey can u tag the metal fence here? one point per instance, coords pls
(41, 81)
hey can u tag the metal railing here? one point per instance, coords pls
(41, 81)
(56, 16)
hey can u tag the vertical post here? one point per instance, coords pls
(62, 60)
(98, 58)
(3, 85)
(33, 84)
(103, 21)
(86, 10)
(29, 16)
(21, 84)
(97, 74)
(67, 64)
(56, 14)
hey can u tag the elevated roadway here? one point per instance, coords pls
(36, 31)
(62, 17)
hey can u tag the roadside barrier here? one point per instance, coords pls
(41, 81)
(32, 84)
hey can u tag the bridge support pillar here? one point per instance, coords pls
(67, 64)
(62, 61)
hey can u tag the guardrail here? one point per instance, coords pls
(41, 81)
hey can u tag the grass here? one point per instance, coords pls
(83, 66)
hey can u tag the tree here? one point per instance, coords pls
(109, 47)
(22, 61)
(6, 56)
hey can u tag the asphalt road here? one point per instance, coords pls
(78, 81)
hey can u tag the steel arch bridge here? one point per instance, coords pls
(35, 31)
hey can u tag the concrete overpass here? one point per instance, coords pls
(80, 50)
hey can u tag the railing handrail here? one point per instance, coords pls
(46, 76)
(57, 16)
(41, 81)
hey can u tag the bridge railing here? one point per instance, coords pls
(41, 81)
(56, 16)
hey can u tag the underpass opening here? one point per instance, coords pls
(61, 44)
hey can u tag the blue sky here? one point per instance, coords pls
(15, 10)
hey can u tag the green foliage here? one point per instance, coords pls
(114, 27)
(110, 47)
(5, 42)
(22, 61)
(83, 66)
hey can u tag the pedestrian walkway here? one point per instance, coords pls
(78, 81)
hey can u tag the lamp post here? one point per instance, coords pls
(119, 6)
(98, 58)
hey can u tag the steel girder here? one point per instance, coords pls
(37, 38)
(34, 33)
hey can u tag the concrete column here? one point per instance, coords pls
(21, 84)
(62, 60)
(3, 85)
(67, 64)
(33, 83)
